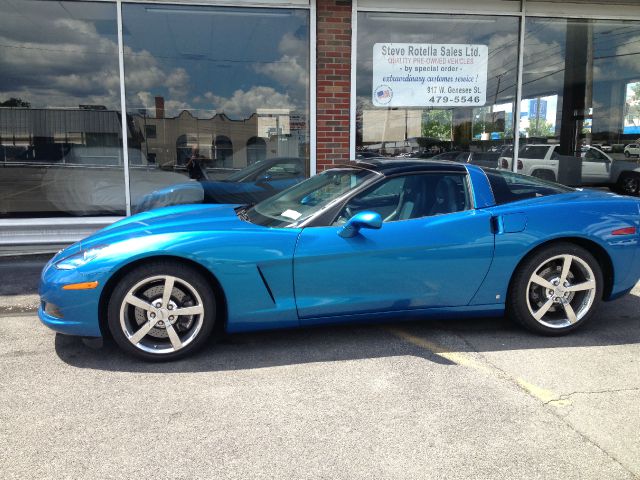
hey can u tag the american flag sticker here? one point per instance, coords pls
(383, 94)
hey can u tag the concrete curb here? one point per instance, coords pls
(19, 304)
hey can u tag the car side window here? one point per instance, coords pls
(593, 155)
(510, 187)
(410, 196)
(534, 151)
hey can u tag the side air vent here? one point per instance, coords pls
(266, 285)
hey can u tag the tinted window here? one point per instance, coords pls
(593, 155)
(410, 196)
(510, 187)
(534, 151)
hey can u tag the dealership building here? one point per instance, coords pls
(105, 102)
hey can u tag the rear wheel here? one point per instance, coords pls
(627, 154)
(162, 311)
(556, 290)
(628, 184)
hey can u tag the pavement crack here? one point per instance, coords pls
(567, 396)
(540, 395)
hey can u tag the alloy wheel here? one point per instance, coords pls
(161, 314)
(561, 291)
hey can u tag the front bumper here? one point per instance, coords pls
(76, 310)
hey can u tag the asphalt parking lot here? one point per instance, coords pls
(456, 399)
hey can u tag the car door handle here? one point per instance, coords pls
(497, 226)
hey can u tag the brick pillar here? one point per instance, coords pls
(333, 81)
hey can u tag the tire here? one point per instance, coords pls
(544, 175)
(628, 184)
(555, 311)
(627, 154)
(139, 312)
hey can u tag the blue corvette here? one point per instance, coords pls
(364, 241)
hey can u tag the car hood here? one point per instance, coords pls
(168, 220)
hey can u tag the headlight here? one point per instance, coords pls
(78, 259)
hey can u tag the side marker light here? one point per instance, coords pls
(81, 286)
(624, 231)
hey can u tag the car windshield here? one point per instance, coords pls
(301, 201)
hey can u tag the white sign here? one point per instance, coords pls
(429, 75)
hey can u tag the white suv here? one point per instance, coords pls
(632, 149)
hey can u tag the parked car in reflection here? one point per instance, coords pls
(366, 154)
(603, 146)
(483, 159)
(247, 186)
(597, 168)
(451, 156)
(632, 149)
(90, 180)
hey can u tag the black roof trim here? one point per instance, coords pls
(392, 167)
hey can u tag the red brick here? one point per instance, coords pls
(333, 82)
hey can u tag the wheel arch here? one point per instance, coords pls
(216, 287)
(600, 254)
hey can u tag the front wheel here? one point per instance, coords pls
(161, 311)
(555, 290)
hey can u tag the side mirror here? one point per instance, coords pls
(360, 220)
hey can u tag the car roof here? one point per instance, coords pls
(393, 166)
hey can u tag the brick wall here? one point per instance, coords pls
(333, 81)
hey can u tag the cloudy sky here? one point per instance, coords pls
(64, 54)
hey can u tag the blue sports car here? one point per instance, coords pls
(381, 239)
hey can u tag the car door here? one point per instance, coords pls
(595, 166)
(433, 250)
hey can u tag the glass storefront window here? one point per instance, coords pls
(60, 122)
(436, 86)
(581, 101)
(219, 89)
